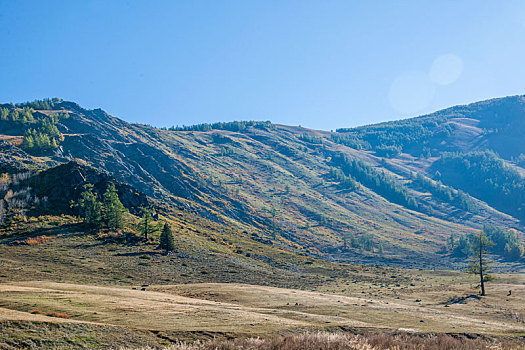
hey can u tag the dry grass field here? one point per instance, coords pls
(231, 310)
(248, 309)
(64, 288)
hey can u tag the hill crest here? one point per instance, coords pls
(372, 193)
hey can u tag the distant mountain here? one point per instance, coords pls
(496, 125)
(386, 193)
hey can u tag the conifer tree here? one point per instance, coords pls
(513, 250)
(167, 242)
(146, 225)
(13, 115)
(479, 264)
(113, 208)
(4, 112)
(90, 207)
(28, 142)
(452, 242)
(2, 212)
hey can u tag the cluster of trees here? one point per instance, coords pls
(45, 135)
(365, 241)
(311, 139)
(376, 180)
(461, 246)
(505, 243)
(390, 138)
(36, 140)
(148, 226)
(351, 140)
(490, 240)
(40, 130)
(16, 199)
(44, 104)
(387, 151)
(230, 126)
(226, 151)
(485, 176)
(108, 212)
(24, 112)
(23, 115)
(459, 199)
(346, 181)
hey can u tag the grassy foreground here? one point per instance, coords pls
(61, 287)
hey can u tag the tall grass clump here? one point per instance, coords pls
(347, 341)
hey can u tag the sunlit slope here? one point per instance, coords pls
(300, 188)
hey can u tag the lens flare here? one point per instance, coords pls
(446, 69)
(411, 92)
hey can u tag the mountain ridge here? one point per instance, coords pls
(300, 188)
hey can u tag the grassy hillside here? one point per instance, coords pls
(496, 124)
(363, 195)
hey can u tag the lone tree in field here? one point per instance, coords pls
(113, 208)
(90, 207)
(479, 264)
(167, 241)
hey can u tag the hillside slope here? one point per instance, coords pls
(363, 194)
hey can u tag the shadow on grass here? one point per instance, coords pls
(150, 253)
(71, 230)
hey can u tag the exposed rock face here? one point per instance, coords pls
(64, 183)
(13, 159)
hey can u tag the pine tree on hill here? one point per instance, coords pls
(90, 207)
(167, 242)
(4, 113)
(113, 208)
(147, 225)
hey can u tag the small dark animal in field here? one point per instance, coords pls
(510, 292)
(143, 289)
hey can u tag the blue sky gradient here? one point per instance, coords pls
(319, 64)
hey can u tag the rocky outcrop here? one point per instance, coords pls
(64, 183)
(13, 159)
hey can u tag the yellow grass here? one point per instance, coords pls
(251, 310)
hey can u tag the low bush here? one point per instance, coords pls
(35, 240)
(51, 313)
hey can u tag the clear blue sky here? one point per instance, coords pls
(321, 64)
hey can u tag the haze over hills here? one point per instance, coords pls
(363, 194)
